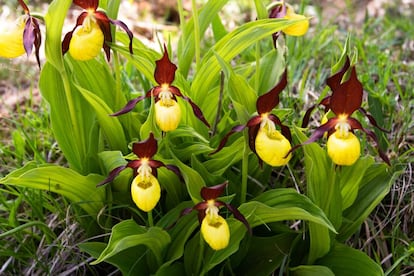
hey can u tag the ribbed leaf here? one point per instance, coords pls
(283, 204)
(128, 234)
(343, 260)
(80, 190)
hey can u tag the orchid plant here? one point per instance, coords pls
(301, 232)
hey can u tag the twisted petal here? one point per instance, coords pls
(372, 120)
(129, 106)
(196, 110)
(324, 102)
(126, 29)
(32, 37)
(268, 101)
(239, 216)
(68, 36)
(226, 137)
(285, 130)
(112, 175)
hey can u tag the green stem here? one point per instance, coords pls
(257, 76)
(150, 219)
(196, 34)
(200, 255)
(118, 87)
(244, 171)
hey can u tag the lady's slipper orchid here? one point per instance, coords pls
(167, 110)
(214, 227)
(145, 189)
(343, 146)
(86, 42)
(286, 11)
(21, 37)
(268, 143)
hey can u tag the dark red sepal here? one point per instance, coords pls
(239, 216)
(164, 69)
(87, 4)
(175, 170)
(68, 36)
(213, 192)
(103, 22)
(129, 106)
(223, 141)
(348, 96)
(372, 120)
(277, 12)
(32, 37)
(24, 6)
(147, 148)
(335, 80)
(266, 102)
(284, 129)
(126, 29)
(325, 102)
(355, 124)
(112, 175)
(196, 110)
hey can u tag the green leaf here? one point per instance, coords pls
(374, 187)
(127, 234)
(343, 260)
(239, 90)
(266, 254)
(80, 190)
(130, 261)
(54, 19)
(283, 204)
(350, 178)
(311, 270)
(110, 126)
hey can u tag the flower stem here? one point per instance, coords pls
(244, 171)
(196, 33)
(150, 219)
(200, 255)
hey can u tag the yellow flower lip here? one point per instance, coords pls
(11, 40)
(272, 147)
(145, 192)
(87, 41)
(343, 149)
(215, 231)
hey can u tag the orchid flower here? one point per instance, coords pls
(214, 227)
(85, 43)
(268, 143)
(343, 146)
(145, 188)
(167, 110)
(21, 38)
(282, 10)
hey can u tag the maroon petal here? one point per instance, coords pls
(147, 148)
(278, 11)
(112, 175)
(126, 29)
(24, 6)
(372, 120)
(239, 216)
(348, 96)
(355, 124)
(317, 134)
(196, 110)
(285, 130)
(201, 207)
(87, 4)
(129, 106)
(103, 22)
(68, 36)
(325, 102)
(164, 69)
(175, 170)
(223, 141)
(32, 37)
(268, 101)
(213, 192)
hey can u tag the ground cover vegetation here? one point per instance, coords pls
(276, 143)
